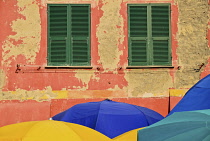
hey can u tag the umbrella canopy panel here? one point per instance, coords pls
(180, 126)
(49, 130)
(109, 117)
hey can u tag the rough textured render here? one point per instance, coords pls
(85, 77)
(109, 34)
(20, 94)
(193, 47)
(148, 84)
(2, 79)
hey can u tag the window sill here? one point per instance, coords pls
(68, 67)
(147, 67)
(47, 69)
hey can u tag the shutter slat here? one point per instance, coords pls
(58, 27)
(58, 18)
(80, 27)
(58, 23)
(80, 16)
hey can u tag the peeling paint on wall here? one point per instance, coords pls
(2, 79)
(26, 40)
(193, 47)
(85, 77)
(147, 83)
(67, 1)
(109, 35)
(20, 94)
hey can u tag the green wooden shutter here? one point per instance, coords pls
(161, 35)
(80, 33)
(149, 34)
(57, 35)
(138, 35)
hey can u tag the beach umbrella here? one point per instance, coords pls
(196, 98)
(180, 126)
(128, 136)
(109, 117)
(49, 130)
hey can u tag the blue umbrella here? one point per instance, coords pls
(180, 126)
(109, 117)
(196, 98)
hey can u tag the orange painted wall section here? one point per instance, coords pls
(16, 111)
(173, 101)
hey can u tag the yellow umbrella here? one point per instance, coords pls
(128, 136)
(49, 130)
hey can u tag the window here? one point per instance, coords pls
(68, 35)
(149, 35)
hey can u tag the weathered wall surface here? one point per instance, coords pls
(193, 49)
(26, 36)
(24, 41)
(2, 79)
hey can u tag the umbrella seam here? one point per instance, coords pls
(73, 130)
(206, 137)
(207, 125)
(29, 130)
(141, 112)
(98, 114)
(83, 117)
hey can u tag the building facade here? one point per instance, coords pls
(57, 53)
